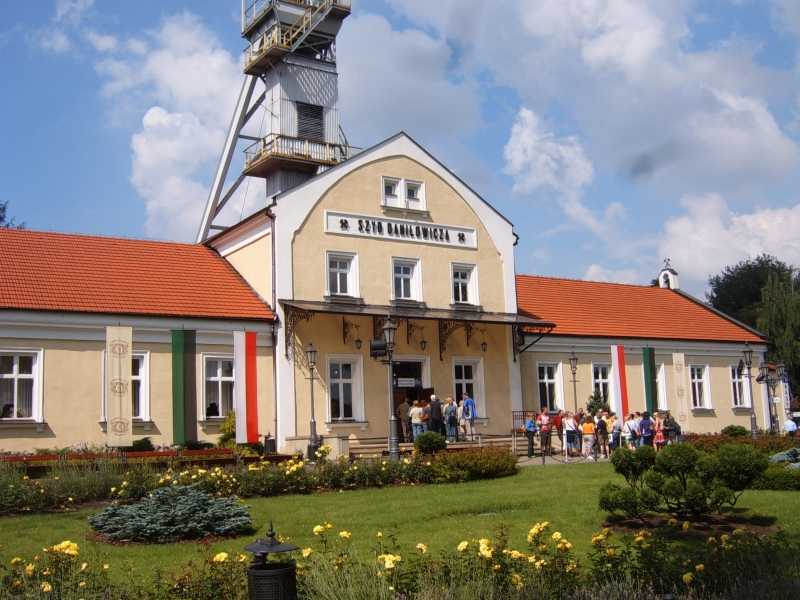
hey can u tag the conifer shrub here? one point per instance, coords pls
(430, 442)
(171, 514)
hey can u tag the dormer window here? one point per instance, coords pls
(403, 193)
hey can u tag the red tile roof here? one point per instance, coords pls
(92, 274)
(615, 310)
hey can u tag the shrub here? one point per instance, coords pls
(778, 477)
(632, 464)
(766, 443)
(430, 442)
(144, 444)
(477, 463)
(739, 466)
(734, 431)
(172, 514)
(596, 403)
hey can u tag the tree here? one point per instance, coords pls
(779, 320)
(5, 220)
(737, 290)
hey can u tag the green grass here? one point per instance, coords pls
(438, 515)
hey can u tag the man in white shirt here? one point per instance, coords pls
(790, 427)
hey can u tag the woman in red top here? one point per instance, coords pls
(659, 438)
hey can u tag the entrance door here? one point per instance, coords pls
(406, 382)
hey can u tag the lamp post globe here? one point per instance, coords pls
(389, 331)
(748, 362)
(313, 438)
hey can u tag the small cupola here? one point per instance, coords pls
(668, 277)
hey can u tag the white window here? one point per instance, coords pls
(661, 387)
(218, 386)
(405, 279)
(403, 193)
(700, 388)
(739, 387)
(345, 395)
(601, 382)
(465, 284)
(140, 386)
(468, 379)
(549, 392)
(18, 373)
(342, 278)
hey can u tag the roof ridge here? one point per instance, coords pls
(96, 236)
(575, 279)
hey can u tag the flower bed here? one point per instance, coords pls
(733, 566)
(768, 444)
(68, 486)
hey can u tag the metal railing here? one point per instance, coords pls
(279, 145)
(253, 10)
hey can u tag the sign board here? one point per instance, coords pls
(404, 230)
(406, 382)
(119, 402)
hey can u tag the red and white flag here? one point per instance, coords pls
(245, 386)
(619, 381)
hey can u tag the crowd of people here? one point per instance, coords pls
(454, 420)
(592, 435)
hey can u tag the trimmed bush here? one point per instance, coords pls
(478, 463)
(430, 442)
(778, 477)
(172, 514)
(734, 431)
(766, 443)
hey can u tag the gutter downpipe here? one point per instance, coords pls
(271, 218)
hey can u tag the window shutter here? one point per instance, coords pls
(310, 122)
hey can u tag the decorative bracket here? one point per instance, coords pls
(468, 328)
(410, 329)
(347, 326)
(446, 329)
(377, 327)
(293, 317)
(518, 344)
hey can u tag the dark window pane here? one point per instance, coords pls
(467, 371)
(25, 398)
(470, 390)
(459, 372)
(347, 371)
(211, 367)
(347, 397)
(212, 399)
(137, 394)
(6, 364)
(227, 397)
(335, 370)
(335, 414)
(332, 283)
(25, 365)
(136, 365)
(459, 390)
(227, 368)
(6, 398)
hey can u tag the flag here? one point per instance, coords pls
(245, 386)
(184, 386)
(119, 399)
(650, 380)
(619, 382)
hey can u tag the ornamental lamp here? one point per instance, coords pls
(389, 331)
(573, 362)
(484, 346)
(271, 580)
(423, 344)
(311, 355)
(763, 373)
(781, 371)
(748, 355)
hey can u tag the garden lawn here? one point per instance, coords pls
(438, 515)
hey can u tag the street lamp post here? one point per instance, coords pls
(573, 368)
(389, 331)
(748, 361)
(313, 439)
(772, 381)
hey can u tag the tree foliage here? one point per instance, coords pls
(5, 219)
(779, 319)
(737, 290)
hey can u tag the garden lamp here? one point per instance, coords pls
(271, 580)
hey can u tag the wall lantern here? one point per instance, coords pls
(311, 355)
(423, 344)
(389, 331)
(271, 579)
(358, 343)
(573, 363)
(484, 346)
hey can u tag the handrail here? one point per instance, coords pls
(285, 145)
(253, 11)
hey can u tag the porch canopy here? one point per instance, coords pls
(448, 320)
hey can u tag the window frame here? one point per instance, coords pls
(706, 386)
(352, 274)
(415, 279)
(218, 357)
(662, 402)
(746, 401)
(557, 381)
(478, 382)
(37, 370)
(607, 381)
(473, 298)
(144, 387)
(357, 382)
(400, 199)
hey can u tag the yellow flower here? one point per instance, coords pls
(485, 548)
(422, 548)
(462, 546)
(700, 568)
(345, 535)
(241, 558)
(82, 584)
(516, 580)
(516, 554)
(318, 530)
(15, 561)
(496, 567)
(327, 525)
(611, 552)
(46, 587)
(686, 525)
(638, 539)
(84, 566)
(556, 536)
(29, 569)
(66, 547)
(712, 540)
(105, 567)
(389, 560)
(688, 578)
(221, 557)
(307, 552)
(379, 534)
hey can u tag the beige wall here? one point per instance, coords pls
(254, 264)
(72, 393)
(360, 192)
(325, 331)
(722, 412)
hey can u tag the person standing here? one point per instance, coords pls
(646, 429)
(790, 427)
(601, 430)
(530, 432)
(416, 415)
(571, 433)
(659, 437)
(405, 420)
(558, 427)
(437, 418)
(468, 414)
(587, 429)
(451, 419)
(545, 427)
(629, 432)
(616, 431)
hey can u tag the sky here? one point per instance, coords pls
(612, 133)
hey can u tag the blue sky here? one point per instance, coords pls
(613, 133)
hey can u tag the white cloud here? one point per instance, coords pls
(709, 236)
(786, 15)
(68, 15)
(185, 84)
(72, 12)
(392, 80)
(100, 41)
(53, 40)
(538, 160)
(597, 272)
